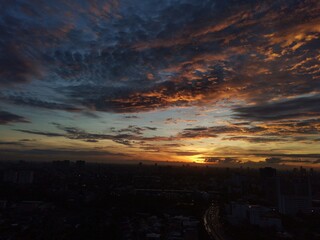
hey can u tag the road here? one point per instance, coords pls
(212, 223)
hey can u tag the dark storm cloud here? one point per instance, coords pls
(126, 136)
(7, 118)
(130, 129)
(256, 139)
(292, 108)
(131, 117)
(292, 130)
(62, 152)
(273, 160)
(15, 66)
(269, 161)
(69, 132)
(215, 131)
(11, 143)
(47, 134)
(27, 140)
(35, 102)
(91, 140)
(277, 160)
(150, 128)
(185, 153)
(283, 155)
(133, 56)
(221, 160)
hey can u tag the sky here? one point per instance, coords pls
(227, 83)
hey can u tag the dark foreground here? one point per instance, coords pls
(77, 200)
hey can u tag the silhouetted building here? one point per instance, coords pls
(295, 195)
(10, 176)
(240, 213)
(20, 177)
(61, 164)
(268, 172)
(80, 163)
(270, 185)
(25, 177)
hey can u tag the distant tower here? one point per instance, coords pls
(295, 194)
(270, 185)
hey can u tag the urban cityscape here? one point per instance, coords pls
(77, 200)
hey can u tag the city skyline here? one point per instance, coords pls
(228, 83)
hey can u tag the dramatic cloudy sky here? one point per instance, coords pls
(224, 82)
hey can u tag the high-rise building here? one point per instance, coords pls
(20, 177)
(25, 177)
(295, 195)
(270, 185)
(10, 176)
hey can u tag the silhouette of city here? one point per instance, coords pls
(80, 200)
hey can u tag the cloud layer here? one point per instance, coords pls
(132, 56)
(256, 62)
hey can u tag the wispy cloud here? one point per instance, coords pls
(7, 118)
(300, 107)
